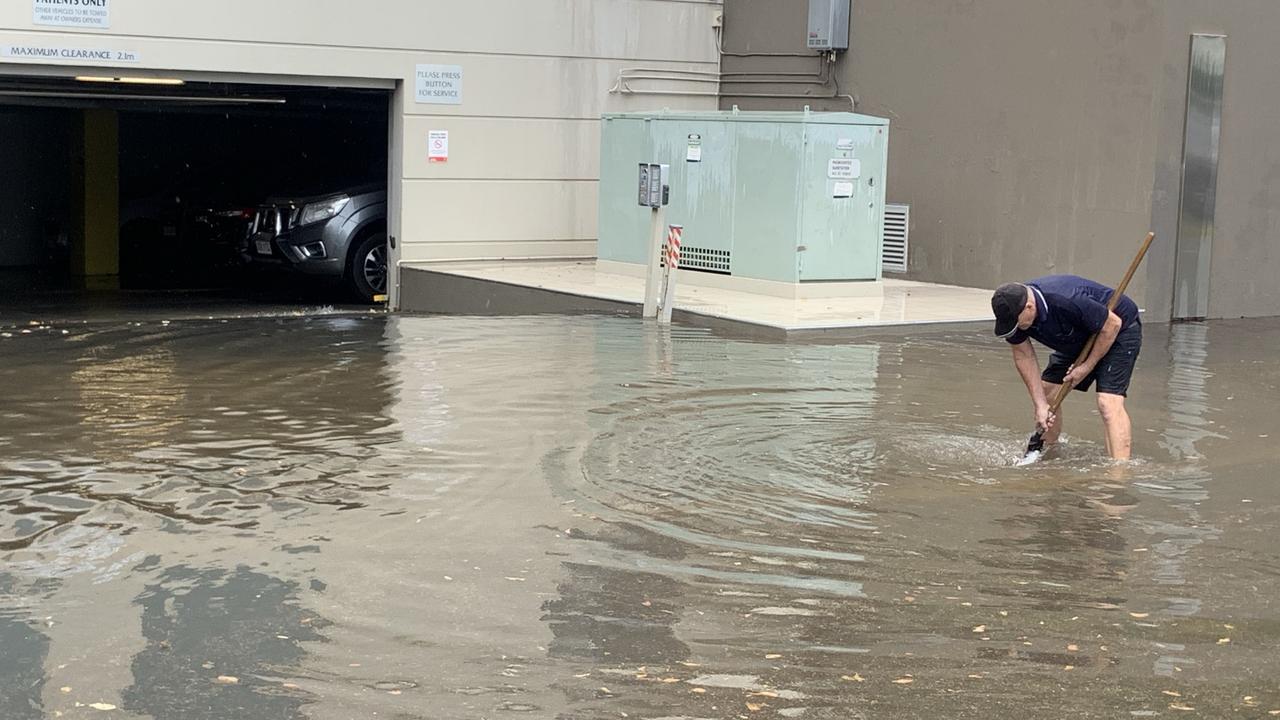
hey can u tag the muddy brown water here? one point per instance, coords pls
(402, 517)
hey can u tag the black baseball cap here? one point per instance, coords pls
(1007, 303)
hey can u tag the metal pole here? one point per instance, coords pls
(653, 279)
(669, 277)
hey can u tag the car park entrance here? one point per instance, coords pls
(113, 182)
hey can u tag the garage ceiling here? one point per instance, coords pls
(162, 94)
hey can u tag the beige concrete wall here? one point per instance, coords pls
(1039, 137)
(523, 163)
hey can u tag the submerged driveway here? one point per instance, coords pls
(337, 515)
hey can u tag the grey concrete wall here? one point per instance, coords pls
(1246, 247)
(1032, 137)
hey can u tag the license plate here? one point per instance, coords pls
(264, 247)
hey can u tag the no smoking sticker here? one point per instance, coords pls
(438, 146)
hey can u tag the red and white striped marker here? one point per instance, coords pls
(673, 246)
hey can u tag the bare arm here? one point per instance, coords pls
(1024, 359)
(1106, 336)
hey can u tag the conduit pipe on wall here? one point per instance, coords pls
(825, 75)
(630, 91)
(621, 86)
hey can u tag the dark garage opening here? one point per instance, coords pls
(114, 185)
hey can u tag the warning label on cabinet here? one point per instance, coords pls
(844, 168)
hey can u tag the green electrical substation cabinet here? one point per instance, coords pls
(788, 197)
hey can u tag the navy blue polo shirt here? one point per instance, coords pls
(1069, 309)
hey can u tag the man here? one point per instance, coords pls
(1063, 312)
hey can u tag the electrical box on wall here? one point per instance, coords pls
(829, 24)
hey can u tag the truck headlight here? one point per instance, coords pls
(322, 210)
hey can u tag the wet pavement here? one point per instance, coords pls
(360, 516)
(21, 305)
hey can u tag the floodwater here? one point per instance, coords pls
(588, 517)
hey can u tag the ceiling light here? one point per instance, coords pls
(192, 99)
(131, 80)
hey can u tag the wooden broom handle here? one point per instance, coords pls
(1061, 394)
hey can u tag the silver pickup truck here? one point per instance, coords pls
(339, 236)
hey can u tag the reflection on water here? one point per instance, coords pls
(244, 628)
(24, 650)
(582, 517)
(606, 615)
(128, 402)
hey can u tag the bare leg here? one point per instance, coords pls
(1116, 421)
(1055, 427)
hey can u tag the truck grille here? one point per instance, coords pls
(272, 219)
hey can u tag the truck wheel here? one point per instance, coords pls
(368, 271)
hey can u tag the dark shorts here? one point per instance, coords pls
(1114, 369)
